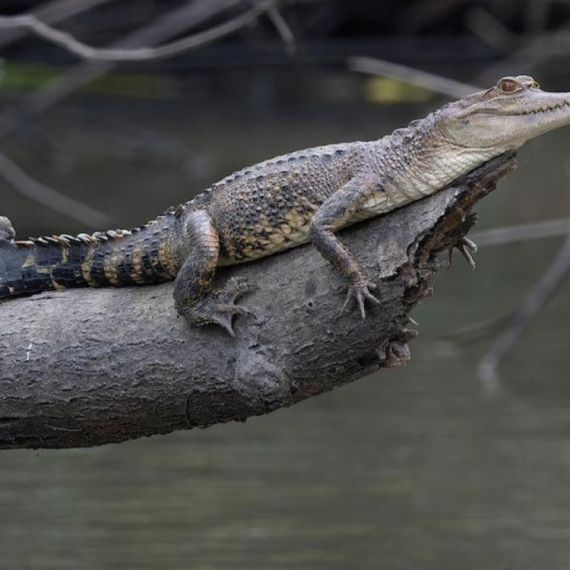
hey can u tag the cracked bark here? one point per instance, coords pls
(88, 367)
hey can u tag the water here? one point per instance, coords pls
(410, 468)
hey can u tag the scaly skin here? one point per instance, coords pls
(283, 202)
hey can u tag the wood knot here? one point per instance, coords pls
(395, 353)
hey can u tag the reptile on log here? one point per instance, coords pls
(284, 202)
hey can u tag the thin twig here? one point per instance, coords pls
(522, 232)
(71, 44)
(283, 29)
(51, 13)
(429, 81)
(49, 197)
(522, 317)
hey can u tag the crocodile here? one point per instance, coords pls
(286, 201)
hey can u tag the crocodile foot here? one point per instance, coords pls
(466, 247)
(220, 307)
(6, 230)
(360, 290)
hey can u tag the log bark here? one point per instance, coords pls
(88, 367)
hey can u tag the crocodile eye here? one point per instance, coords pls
(508, 85)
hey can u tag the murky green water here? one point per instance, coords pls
(412, 468)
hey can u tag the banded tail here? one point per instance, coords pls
(115, 258)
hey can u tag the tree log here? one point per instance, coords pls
(87, 367)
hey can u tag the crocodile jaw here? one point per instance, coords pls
(552, 110)
(507, 128)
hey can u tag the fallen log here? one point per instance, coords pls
(88, 367)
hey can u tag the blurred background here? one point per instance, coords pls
(462, 458)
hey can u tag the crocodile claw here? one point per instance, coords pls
(466, 247)
(223, 316)
(220, 307)
(360, 291)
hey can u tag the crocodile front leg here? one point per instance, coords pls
(337, 211)
(194, 297)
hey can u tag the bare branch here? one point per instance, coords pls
(67, 41)
(171, 24)
(49, 197)
(522, 232)
(521, 318)
(283, 29)
(417, 77)
(51, 13)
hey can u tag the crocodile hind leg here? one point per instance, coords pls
(194, 296)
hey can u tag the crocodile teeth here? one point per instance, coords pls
(544, 109)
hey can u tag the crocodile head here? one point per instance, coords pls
(505, 116)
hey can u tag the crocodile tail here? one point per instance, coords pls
(41, 264)
(114, 258)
